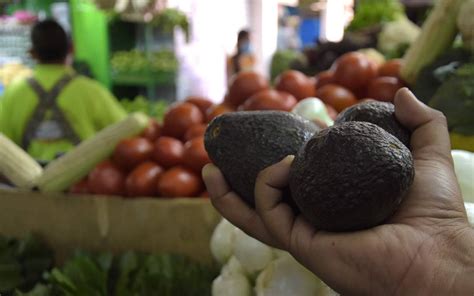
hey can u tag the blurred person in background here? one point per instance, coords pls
(244, 58)
(51, 112)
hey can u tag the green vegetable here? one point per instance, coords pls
(166, 275)
(129, 274)
(38, 290)
(455, 98)
(286, 59)
(433, 75)
(155, 109)
(437, 36)
(22, 263)
(170, 18)
(375, 12)
(466, 23)
(397, 36)
(136, 61)
(82, 275)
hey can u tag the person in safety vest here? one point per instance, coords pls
(55, 109)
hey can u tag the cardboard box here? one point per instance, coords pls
(101, 223)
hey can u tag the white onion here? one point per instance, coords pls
(285, 276)
(313, 109)
(464, 167)
(222, 241)
(251, 253)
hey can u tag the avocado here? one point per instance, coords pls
(350, 176)
(241, 144)
(379, 113)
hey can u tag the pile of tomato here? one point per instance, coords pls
(165, 160)
(354, 77)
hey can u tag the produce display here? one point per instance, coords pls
(374, 12)
(154, 109)
(61, 173)
(284, 60)
(379, 27)
(10, 72)
(440, 71)
(136, 61)
(17, 166)
(26, 268)
(164, 160)
(397, 36)
(250, 267)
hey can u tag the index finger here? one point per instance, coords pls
(278, 216)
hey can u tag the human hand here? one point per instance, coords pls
(424, 249)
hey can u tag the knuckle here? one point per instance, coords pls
(440, 117)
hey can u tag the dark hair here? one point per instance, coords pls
(243, 34)
(50, 41)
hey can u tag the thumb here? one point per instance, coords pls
(430, 137)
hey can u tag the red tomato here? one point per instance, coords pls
(168, 152)
(337, 96)
(202, 103)
(296, 84)
(180, 118)
(391, 68)
(384, 88)
(323, 78)
(179, 182)
(354, 71)
(195, 132)
(204, 194)
(217, 110)
(143, 179)
(80, 187)
(152, 131)
(270, 100)
(243, 85)
(195, 155)
(107, 179)
(131, 152)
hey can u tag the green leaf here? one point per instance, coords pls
(39, 290)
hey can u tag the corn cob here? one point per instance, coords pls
(17, 166)
(63, 172)
(437, 35)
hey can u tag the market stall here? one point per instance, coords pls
(126, 211)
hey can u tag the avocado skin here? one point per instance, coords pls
(350, 176)
(241, 144)
(379, 113)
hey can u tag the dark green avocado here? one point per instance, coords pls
(241, 144)
(350, 176)
(379, 113)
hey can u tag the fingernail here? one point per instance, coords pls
(289, 159)
(406, 92)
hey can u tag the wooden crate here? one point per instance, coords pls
(101, 223)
